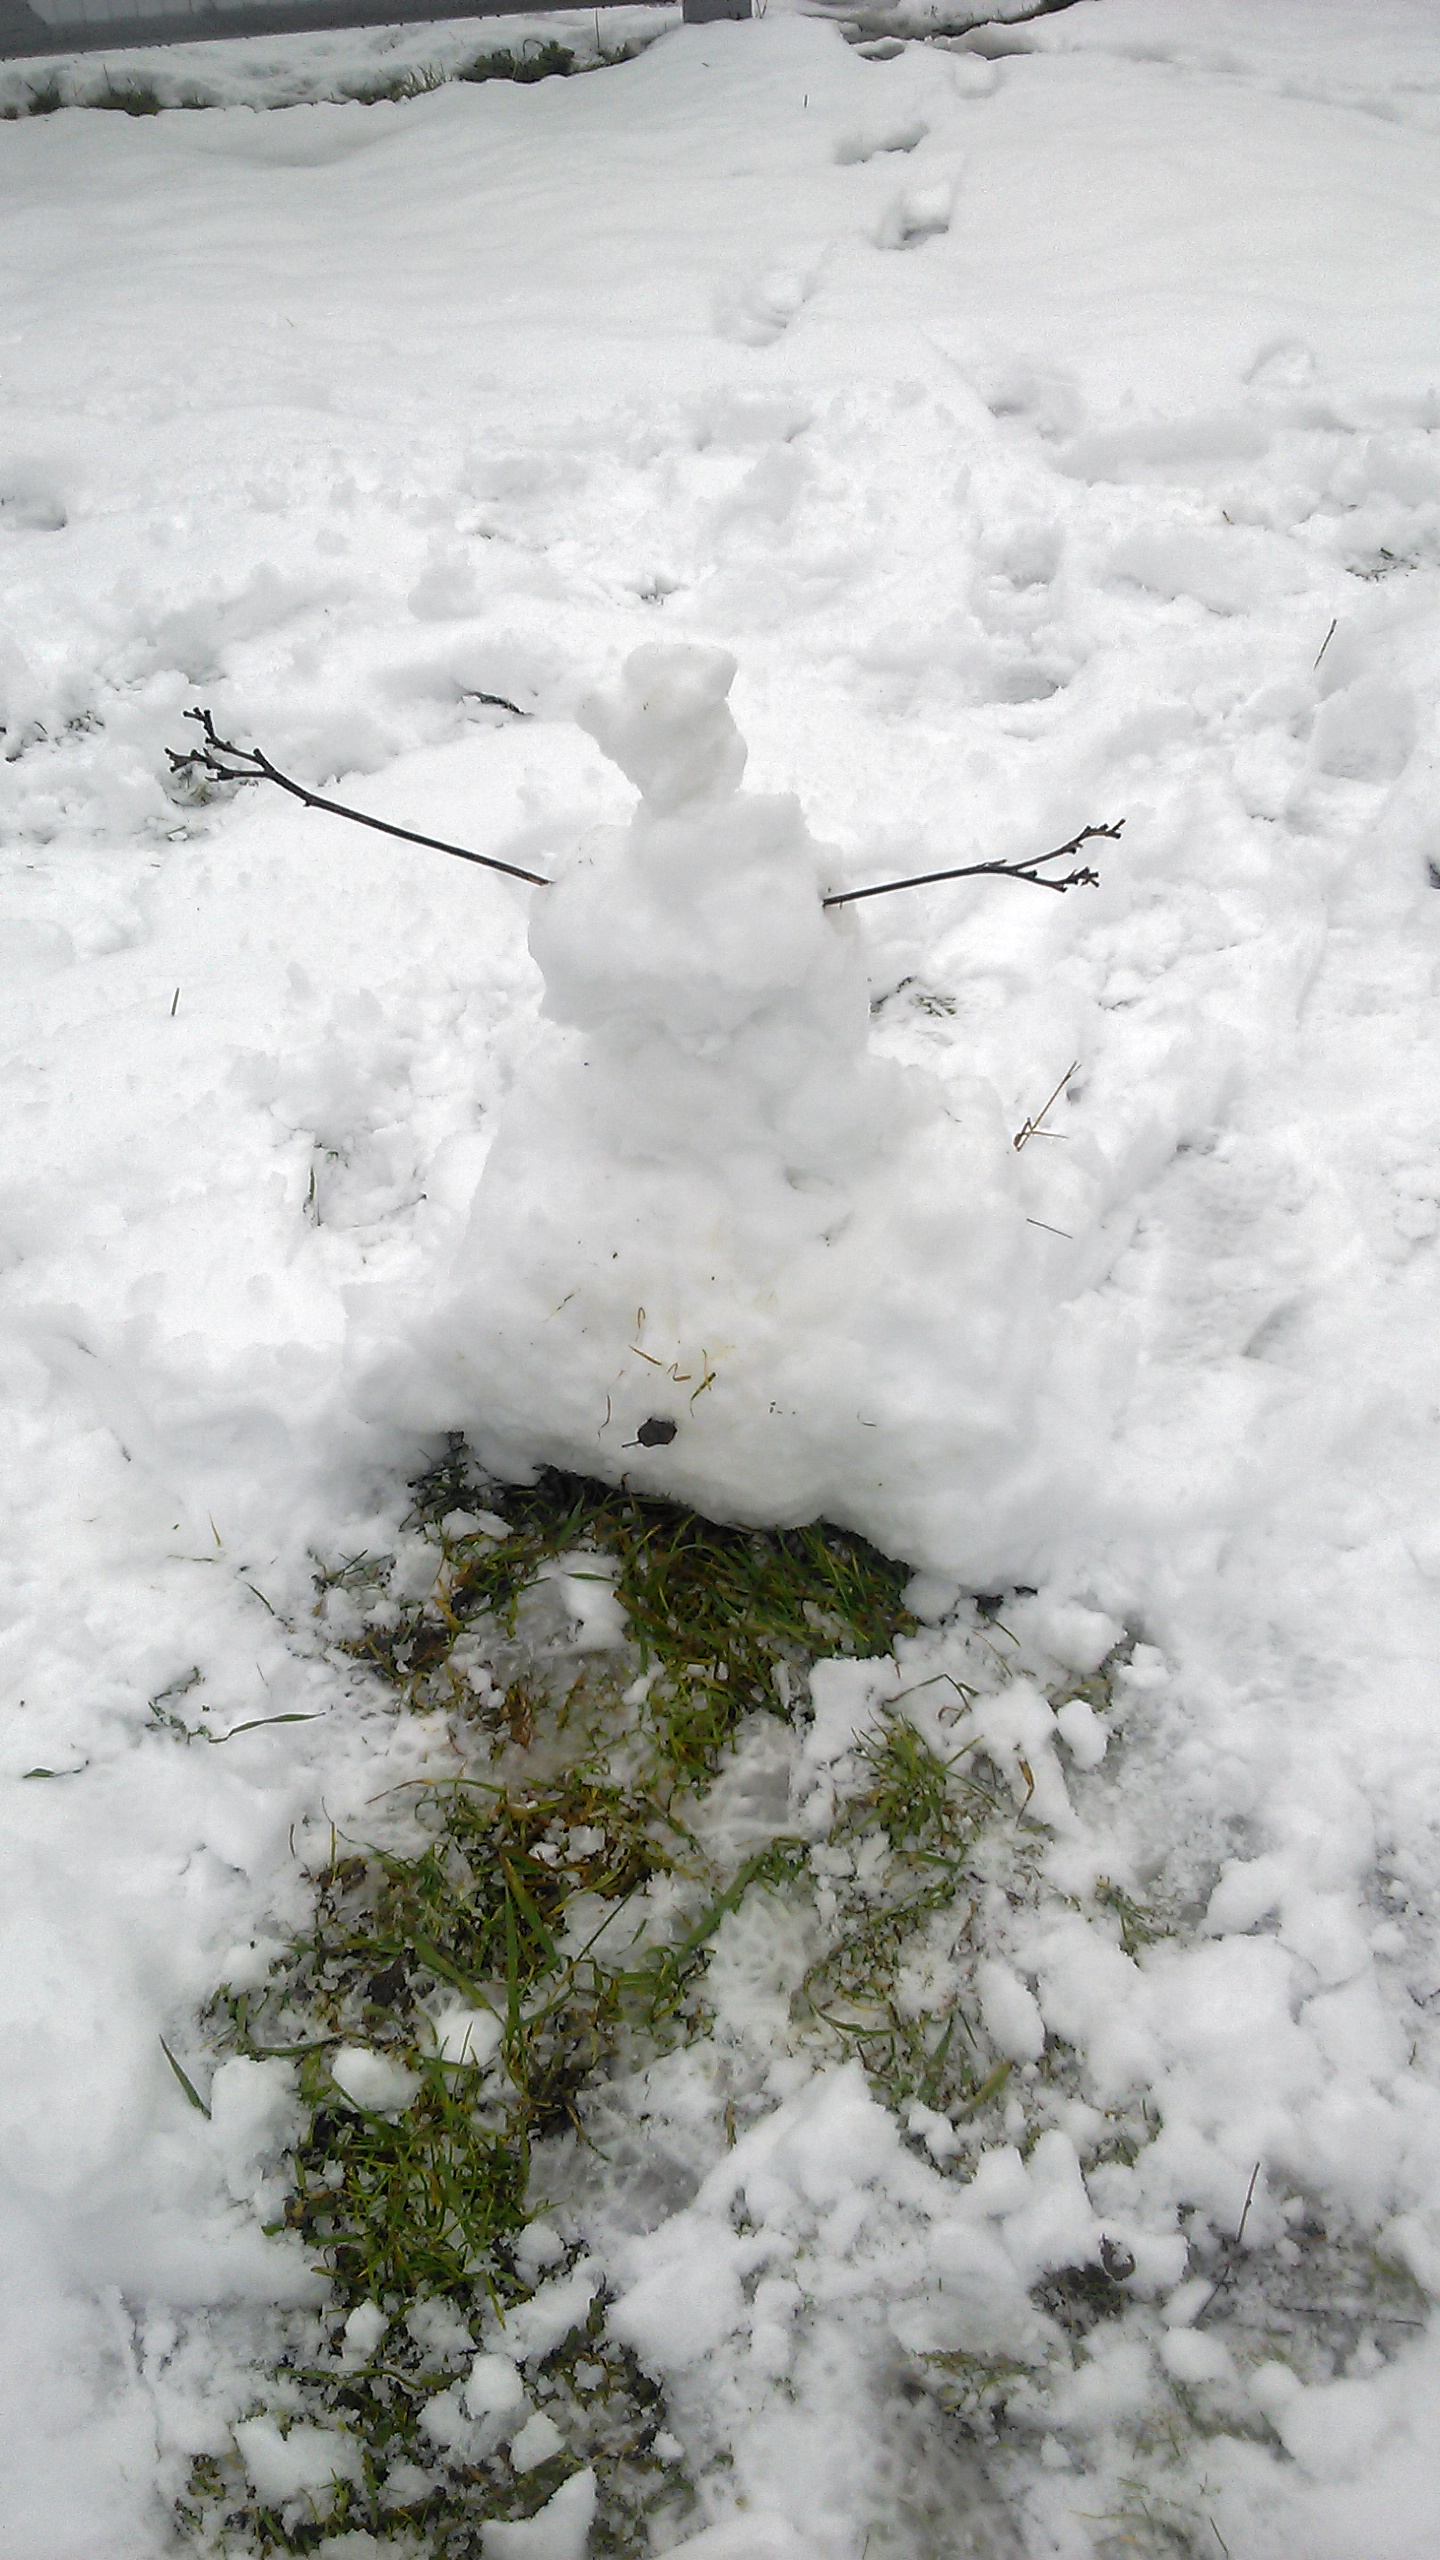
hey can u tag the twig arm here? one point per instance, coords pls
(248, 764)
(1028, 869)
(225, 762)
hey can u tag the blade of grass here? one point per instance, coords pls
(186, 2083)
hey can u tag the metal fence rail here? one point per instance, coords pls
(32, 27)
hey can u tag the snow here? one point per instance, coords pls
(585, 1586)
(494, 2387)
(372, 2080)
(538, 2326)
(363, 2332)
(1044, 429)
(539, 2440)
(557, 2532)
(287, 71)
(283, 2467)
(467, 2035)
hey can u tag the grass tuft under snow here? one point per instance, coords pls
(709, 1809)
(707, 1801)
(381, 66)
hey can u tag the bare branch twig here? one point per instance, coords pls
(223, 761)
(247, 764)
(1232, 2253)
(1027, 869)
(1032, 1128)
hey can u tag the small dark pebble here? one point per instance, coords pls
(657, 1433)
(384, 1989)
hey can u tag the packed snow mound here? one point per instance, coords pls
(719, 1247)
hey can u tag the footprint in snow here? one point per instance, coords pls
(1047, 401)
(29, 501)
(758, 313)
(853, 148)
(918, 212)
(1015, 563)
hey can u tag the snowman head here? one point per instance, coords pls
(668, 725)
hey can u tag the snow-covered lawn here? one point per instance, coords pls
(1049, 427)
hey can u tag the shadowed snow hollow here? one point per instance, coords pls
(718, 1246)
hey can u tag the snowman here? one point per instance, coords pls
(720, 1250)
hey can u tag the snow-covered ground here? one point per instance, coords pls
(1050, 428)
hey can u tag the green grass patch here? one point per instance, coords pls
(929, 1815)
(725, 1620)
(548, 61)
(44, 98)
(132, 97)
(533, 61)
(390, 89)
(561, 1894)
(555, 1888)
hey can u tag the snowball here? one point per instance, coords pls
(1076, 1637)
(467, 2035)
(474, 1524)
(289, 2466)
(1082, 1733)
(415, 1570)
(494, 2388)
(1187, 2302)
(438, 2331)
(560, 2531)
(1247, 1891)
(536, 2328)
(846, 1698)
(447, 2421)
(1276, 2390)
(539, 2440)
(371, 2080)
(1017, 1728)
(936, 2131)
(364, 2330)
(585, 1583)
(1056, 2225)
(980, 2307)
(1330, 2428)
(1192, 2355)
(1011, 2013)
(845, 2138)
(405, 2484)
(539, 2245)
(1001, 2181)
